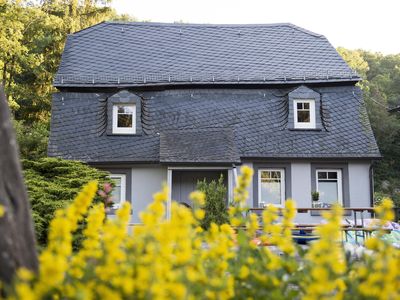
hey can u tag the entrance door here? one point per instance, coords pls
(185, 182)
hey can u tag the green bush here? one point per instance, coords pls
(215, 205)
(53, 183)
(32, 139)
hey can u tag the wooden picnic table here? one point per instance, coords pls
(353, 210)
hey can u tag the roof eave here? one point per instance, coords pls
(208, 83)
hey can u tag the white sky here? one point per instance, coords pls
(367, 24)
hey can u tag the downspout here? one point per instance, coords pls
(371, 184)
(234, 174)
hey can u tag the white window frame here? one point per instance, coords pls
(339, 182)
(123, 189)
(283, 185)
(304, 125)
(123, 130)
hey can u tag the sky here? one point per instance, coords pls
(353, 24)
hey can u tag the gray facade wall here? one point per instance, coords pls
(356, 184)
(142, 181)
(145, 182)
(359, 179)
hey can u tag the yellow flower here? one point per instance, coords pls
(25, 292)
(2, 210)
(244, 272)
(198, 198)
(24, 274)
(372, 243)
(199, 214)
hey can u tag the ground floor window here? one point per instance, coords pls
(118, 195)
(271, 187)
(329, 186)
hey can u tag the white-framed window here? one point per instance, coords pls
(271, 187)
(118, 195)
(329, 186)
(124, 118)
(304, 114)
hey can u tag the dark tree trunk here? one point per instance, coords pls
(17, 239)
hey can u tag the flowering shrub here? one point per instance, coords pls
(177, 259)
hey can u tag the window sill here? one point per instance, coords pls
(305, 129)
(124, 134)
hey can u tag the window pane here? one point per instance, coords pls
(271, 192)
(124, 120)
(322, 175)
(276, 174)
(116, 193)
(299, 105)
(303, 116)
(332, 175)
(265, 175)
(125, 109)
(306, 105)
(328, 191)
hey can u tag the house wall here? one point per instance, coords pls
(356, 184)
(145, 182)
(141, 183)
(359, 178)
(356, 190)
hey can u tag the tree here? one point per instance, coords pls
(215, 204)
(32, 36)
(17, 240)
(381, 90)
(52, 184)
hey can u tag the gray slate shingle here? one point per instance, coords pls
(140, 54)
(210, 145)
(249, 123)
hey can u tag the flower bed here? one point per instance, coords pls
(177, 259)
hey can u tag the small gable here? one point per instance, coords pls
(124, 114)
(304, 109)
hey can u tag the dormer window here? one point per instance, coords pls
(124, 118)
(304, 114)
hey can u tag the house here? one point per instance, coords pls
(177, 103)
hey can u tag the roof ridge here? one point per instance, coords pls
(165, 24)
(210, 25)
(88, 29)
(305, 30)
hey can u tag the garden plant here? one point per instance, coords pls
(177, 259)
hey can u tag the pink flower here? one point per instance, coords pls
(102, 194)
(107, 188)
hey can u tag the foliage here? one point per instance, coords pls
(32, 37)
(315, 196)
(381, 89)
(177, 259)
(215, 202)
(32, 139)
(52, 184)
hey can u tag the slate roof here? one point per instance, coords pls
(191, 125)
(210, 145)
(142, 54)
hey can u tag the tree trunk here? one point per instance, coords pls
(17, 239)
